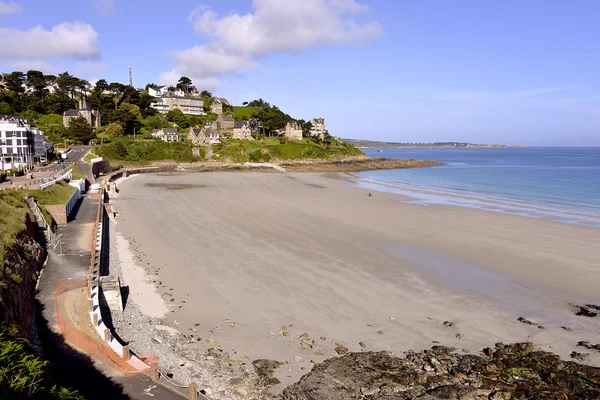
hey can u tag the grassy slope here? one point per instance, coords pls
(12, 211)
(145, 151)
(275, 149)
(22, 374)
(244, 113)
(77, 174)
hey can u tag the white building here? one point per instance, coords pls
(16, 143)
(188, 105)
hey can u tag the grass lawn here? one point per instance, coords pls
(77, 174)
(12, 211)
(92, 154)
(244, 113)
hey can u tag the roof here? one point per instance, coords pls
(240, 124)
(227, 118)
(84, 104)
(170, 131)
(71, 113)
(223, 100)
(195, 131)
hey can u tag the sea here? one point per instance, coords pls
(556, 183)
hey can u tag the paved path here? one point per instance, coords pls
(93, 380)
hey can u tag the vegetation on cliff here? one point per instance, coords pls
(271, 149)
(22, 374)
(146, 150)
(12, 212)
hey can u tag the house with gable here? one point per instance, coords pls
(225, 122)
(318, 127)
(91, 116)
(203, 136)
(167, 135)
(241, 130)
(292, 131)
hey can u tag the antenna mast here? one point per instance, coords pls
(130, 80)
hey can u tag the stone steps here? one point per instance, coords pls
(111, 290)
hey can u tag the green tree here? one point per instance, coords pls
(67, 82)
(129, 117)
(184, 84)
(156, 121)
(114, 130)
(37, 80)
(205, 94)
(178, 117)
(79, 131)
(14, 81)
(51, 124)
(5, 108)
(58, 103)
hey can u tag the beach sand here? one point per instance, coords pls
(252, 261)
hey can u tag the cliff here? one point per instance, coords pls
(23, 262)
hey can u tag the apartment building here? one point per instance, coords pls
(16, 143)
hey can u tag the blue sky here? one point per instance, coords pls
(514, 72)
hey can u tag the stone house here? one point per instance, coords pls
(241, 130)
(91, 116)
(216, 107)
(203, 136)
(293, 131)
(167, 135)
(318, 127)
(211, 125)
(225, 122)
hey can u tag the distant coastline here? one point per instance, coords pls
(371, 144)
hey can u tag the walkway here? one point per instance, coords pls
(92, 379)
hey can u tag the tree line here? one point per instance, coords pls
(42, 99)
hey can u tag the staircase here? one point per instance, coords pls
(110, 287)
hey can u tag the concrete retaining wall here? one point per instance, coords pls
(96, 311)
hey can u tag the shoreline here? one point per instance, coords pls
(347, 164)
(426, 196)
(226, 325)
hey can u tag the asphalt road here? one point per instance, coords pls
(75, 156)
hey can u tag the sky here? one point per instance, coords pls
(509, 72)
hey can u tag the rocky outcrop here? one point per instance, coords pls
(18, 278)
(355, 164)
(515, 371)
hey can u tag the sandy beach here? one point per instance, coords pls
(251, 261)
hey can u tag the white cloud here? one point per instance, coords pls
(274, 26)
(106, 7)
(88, 69)
(9, 8)
(75, 40)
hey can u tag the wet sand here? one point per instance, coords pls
(252, 261)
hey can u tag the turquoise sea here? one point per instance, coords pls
(558, 183)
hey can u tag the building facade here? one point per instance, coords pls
(187, 105)
(241, 130)
(16, 143)
(91, 116)
(318, 127)
(225, 122)
(203, 136)
(216, 107)
(167, 135)
(293, 131)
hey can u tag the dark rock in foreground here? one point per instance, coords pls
(513, 371)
